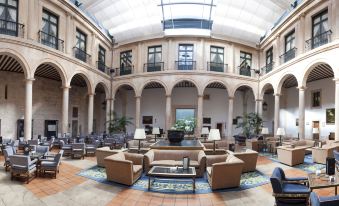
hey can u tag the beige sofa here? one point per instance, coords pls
(319, 154)
(124, 168)
(103, 152)
(308, 143)
(291, 156)
(174, 158)
(224, 171)
(249, 157)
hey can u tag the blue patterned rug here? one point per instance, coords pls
(248, 180)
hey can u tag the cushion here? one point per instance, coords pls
(137, 168)
(163, 163)
(193, 163)
(48, 164)
(295, 188)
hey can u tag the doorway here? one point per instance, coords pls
(74, 128)
(51, 128)
(20, 128)
(220, 128)
(315, 130)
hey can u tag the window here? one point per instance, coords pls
(80, 46)
(183, 114)
(269, 60)
(49, 33)
(9, 17)
(217, 59)
(101, 59)
(126, 62)
(320, 29)
(154, 59)
(316, 98)
(245, 63)
(289, 46)
(185, 57)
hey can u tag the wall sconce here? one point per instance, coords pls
(264, 106)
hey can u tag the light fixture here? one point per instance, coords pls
(280, 132)
(139, 135)
(264, 106)
(214, 135)
(204, 132)
(156, 131)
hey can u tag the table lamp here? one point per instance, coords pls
(139, 135)
(280, 132)
(315, 131)
(205, 132)
(156, 132)
(213, 136)
(264, 131)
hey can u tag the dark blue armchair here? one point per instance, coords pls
(324, 201)
(289, 191)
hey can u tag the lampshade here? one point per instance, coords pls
(156, 130)
(214, 134)
(281, 131)
(139, 133)
(264, 130)
(204, 130)
(315, 130)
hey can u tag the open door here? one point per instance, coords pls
(315, 130)
(51, 128)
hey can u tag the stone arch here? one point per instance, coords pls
(282, 80)
(217, 81)
(313, 65)
(20, 59)
(155, 81)
(107, 94)
(55, 65)
(264, 88)
(116, 88)
(188, 80)
(85, 76)
(241, 85)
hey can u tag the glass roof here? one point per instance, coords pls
(243, 21)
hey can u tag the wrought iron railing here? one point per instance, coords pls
(216, 67)
(267, 68)
(154, 67)
(185, 65)
(102, 67)
(126, 70)
(82, 55)
(287, 56)
(51, 41)
(11, 28)
(245, 71)
(318, 40)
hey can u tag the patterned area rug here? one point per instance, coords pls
(184, 186)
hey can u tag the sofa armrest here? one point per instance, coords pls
(119, 170)
(212, 159)
(201, 157)
(137, 159)
(148, 159)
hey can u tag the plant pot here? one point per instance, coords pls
(175, 136)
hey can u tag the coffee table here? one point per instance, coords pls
(322, 181)
(161, 172)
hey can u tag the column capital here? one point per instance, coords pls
(137, 97)
(168, 96)
(65, 87)
(110, 99)
(91, 94)
(276, 94)
(230, 97)
(302, 88)
(29, 80)
(259, 100)
(200, 95)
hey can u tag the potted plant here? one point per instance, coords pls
(118, 124)
(251, 124)
(180, 128)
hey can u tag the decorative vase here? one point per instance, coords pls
(175, 136)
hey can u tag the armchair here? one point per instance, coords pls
(8, 151)
(109, 142)
(289, 190)
(51, 165)
(66, 147)
(324, 201)
(124, 168)
(78, 149)
(23, 166)
(33, 142)
(42, 149)
(336, 157)
(224, 171)
(91, 148)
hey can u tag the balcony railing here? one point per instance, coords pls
(154, 67)
(125, 70)
(266, 69)
(216, 67)
(102, 67)
(185, 65)
(82, 55)
(318, 40)
(11, 28)
(51, 41)
(287, 56)
(245, 71)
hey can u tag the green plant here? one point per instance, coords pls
(251, 124)
(186, 125)
(118, 124)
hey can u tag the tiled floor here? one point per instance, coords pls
(71, 189)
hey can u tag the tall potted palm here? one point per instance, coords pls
(118, 124)
(251, 124)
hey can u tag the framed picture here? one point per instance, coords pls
(330, 116)
(147, 119)
(316, 98)
(206, 120)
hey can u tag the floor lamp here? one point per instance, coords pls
(139, 135)
(264, 131)
(214, 135)
(156, 132)
(204, 132)
(280, 132)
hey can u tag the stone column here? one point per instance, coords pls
(168, 112)
(258, 107)
(301, 112)
(137, 111)
(65, 104)
(90, 112)
(28, 109)
(276, 112)
(108, 113)
(199, 114)
(336, 109)
(230, 118)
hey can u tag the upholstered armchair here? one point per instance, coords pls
(124, 168)
(66, 147)
(23, 166)
(78, 149)
(109, 142)
(41, 149)
(33, 142)
(51, 165)
(8, 151)
(249, 157)
(288, 191)
(224, 171)
(324, 201)
(336, 156)
(91, 148)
